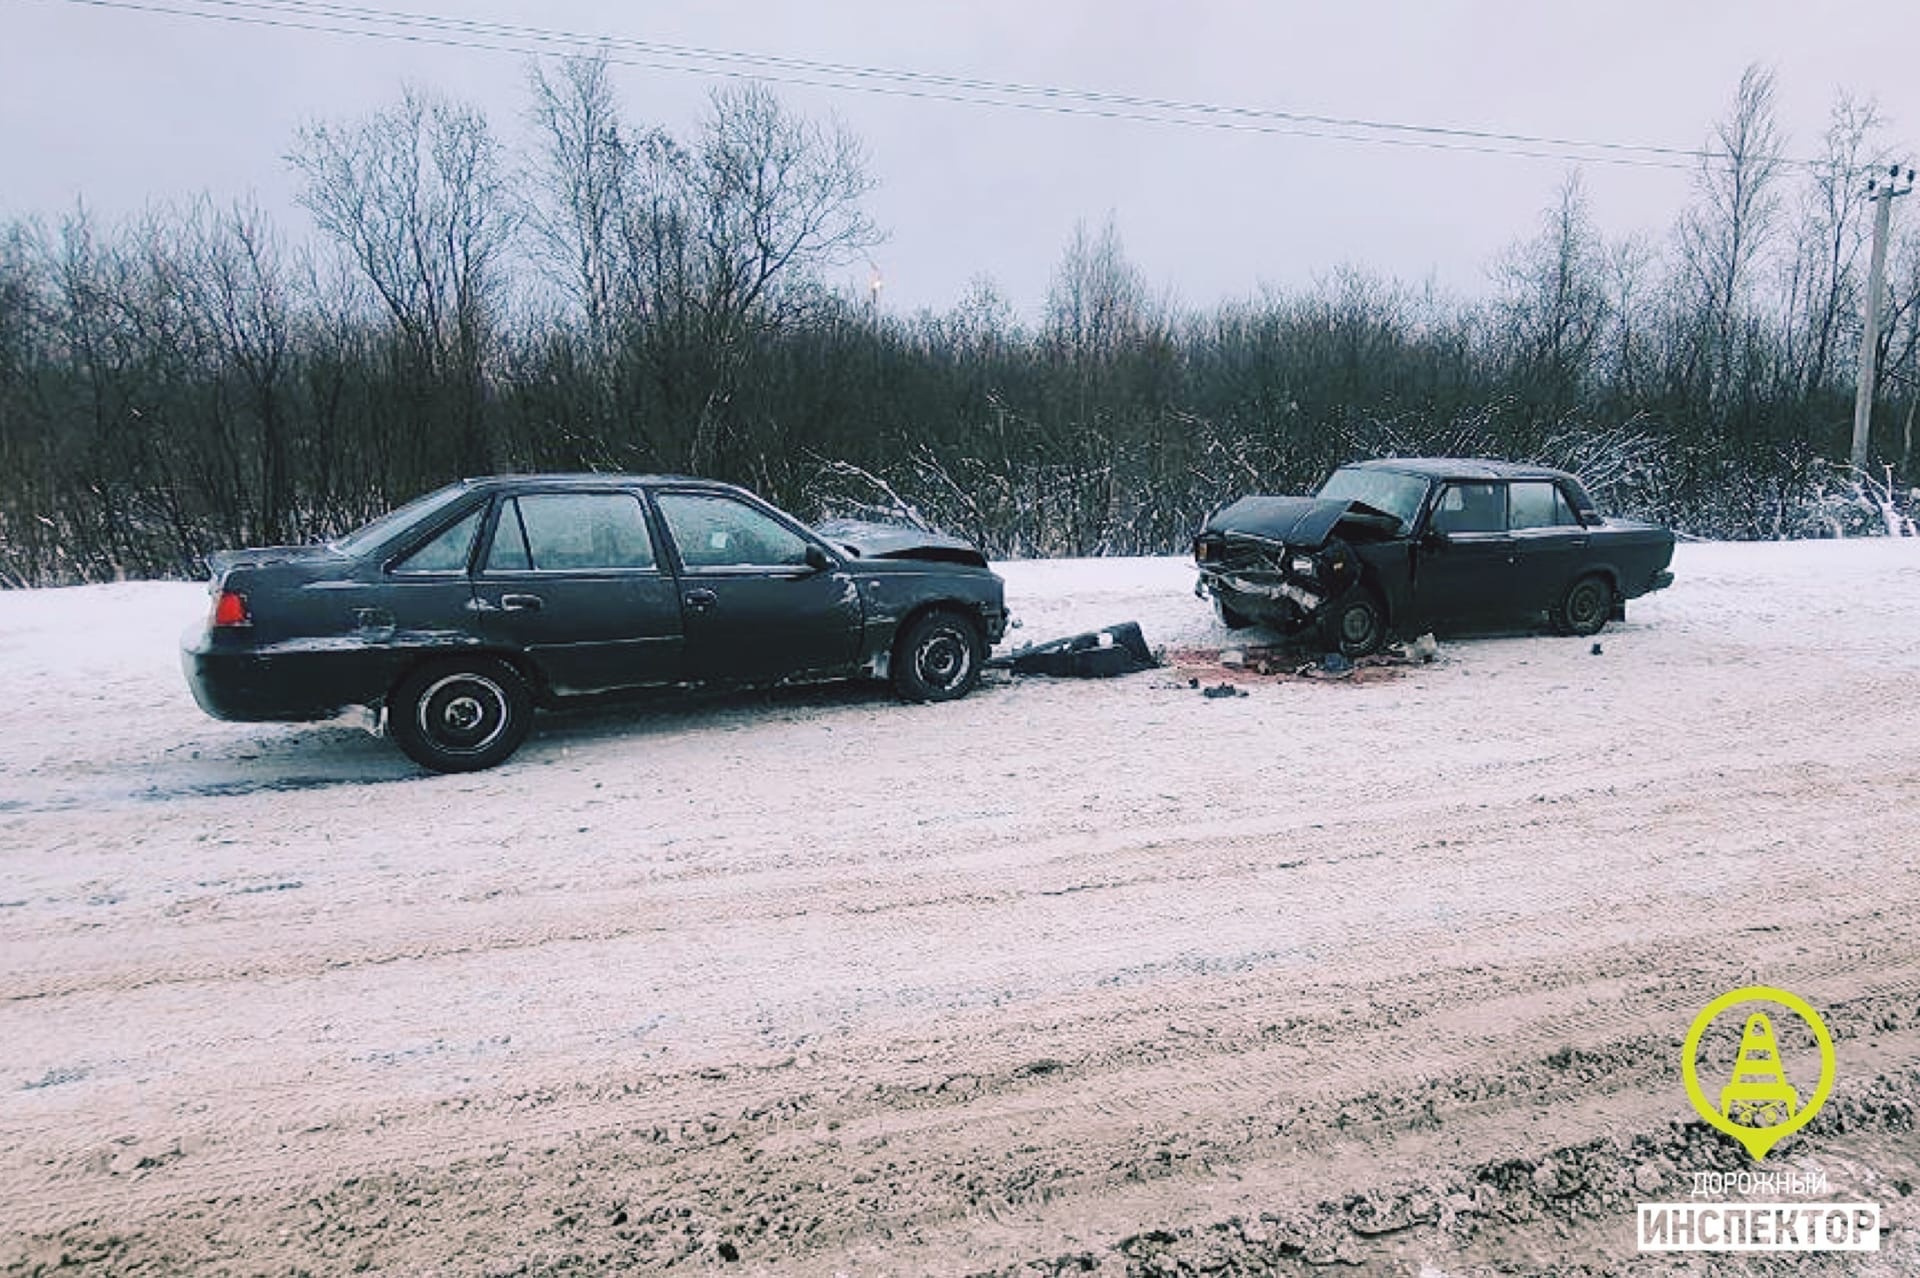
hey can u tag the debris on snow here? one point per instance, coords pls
(1196, 665)
(1096, 654)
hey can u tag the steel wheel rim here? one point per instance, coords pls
(943, 660)
(463, 713)
(1585, 606)
(1357, 624)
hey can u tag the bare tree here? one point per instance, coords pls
(1629, 268)
(581, 207)
(22, 315)
(983, 322)
(775, 198)
(736, 234)
(1098, 300)
(26, 466)
(235, 284)
(1821, 288)
(1553, 298)
(1900, 342)
(1721, 237)
(418, 198)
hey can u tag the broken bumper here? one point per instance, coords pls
(1281, 605)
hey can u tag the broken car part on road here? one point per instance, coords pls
(1096, 654)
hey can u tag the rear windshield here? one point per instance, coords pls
(1396, 495)
(389, 525)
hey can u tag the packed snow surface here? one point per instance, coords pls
(817, 982)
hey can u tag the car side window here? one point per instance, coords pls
(1471, 508)
(446, 553)
(570, 532)
(509, 550)
(1539, 504)
(713, 531)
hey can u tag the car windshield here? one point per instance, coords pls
(1396, 495)
(363, 539)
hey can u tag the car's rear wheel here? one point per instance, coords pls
(461, 715)
(938, 657)
(1584, 609)
(1356, 624)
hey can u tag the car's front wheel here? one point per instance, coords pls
(461, 715)
(1583, 610)
(1356, 624)
(938, 658)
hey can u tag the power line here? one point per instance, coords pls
(436, 30)
(362, 13)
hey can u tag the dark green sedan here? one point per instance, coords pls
(457, 614)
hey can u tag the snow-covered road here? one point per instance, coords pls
(818, 982)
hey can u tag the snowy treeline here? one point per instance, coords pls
(626, 299)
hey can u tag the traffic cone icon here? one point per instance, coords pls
(1758, 1094)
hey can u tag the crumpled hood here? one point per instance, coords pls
(1305, 522)
(864, 539)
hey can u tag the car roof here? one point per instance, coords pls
(1460, 468)
(588, 479)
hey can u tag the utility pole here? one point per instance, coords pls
(1883, 197)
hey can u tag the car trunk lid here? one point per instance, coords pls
(222, 562)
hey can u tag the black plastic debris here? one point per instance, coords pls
(1220, 690)
(1097, 654)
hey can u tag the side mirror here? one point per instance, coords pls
(1433, 538)
(818, 559)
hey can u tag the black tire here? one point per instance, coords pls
(1230, 618)
(1584, 609)
(938, 657)
(1355, 624)
(460, 715)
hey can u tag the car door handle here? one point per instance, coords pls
(521, 603)
(701, 600)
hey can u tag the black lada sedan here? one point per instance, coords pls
(1411, 542)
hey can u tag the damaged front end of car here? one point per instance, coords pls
(865, 539)
(1283, 562)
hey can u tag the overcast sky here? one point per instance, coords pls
(121, 107)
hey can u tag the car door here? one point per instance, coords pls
(761, 601)
(1466, 571)
(1550, 543)
(572, 578)
(425, 588)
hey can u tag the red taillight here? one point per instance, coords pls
(230, 609)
